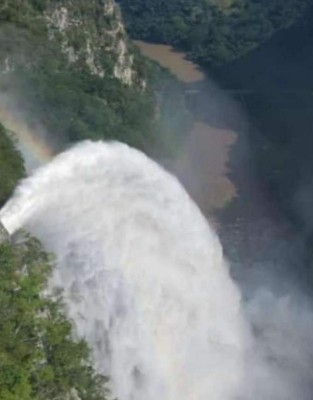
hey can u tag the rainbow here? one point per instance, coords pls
(32, 142)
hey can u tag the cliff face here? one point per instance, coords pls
(90, 34)
(212, 32)
(70, 68)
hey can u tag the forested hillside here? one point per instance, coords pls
(69, 66)
(212, 32)
(39, 360)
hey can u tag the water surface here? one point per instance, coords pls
(203, 164)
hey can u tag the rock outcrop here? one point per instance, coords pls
(90, 34)
(92, 38)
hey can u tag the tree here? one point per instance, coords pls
(39, 359)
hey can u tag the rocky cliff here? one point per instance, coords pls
(70, 68)
(89, 33)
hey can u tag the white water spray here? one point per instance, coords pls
(143, 274)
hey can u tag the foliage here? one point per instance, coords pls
(71, 101)
(11, 166)
(211, 32)
(39, 360)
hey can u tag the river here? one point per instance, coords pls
(203, 163)
(217, 168)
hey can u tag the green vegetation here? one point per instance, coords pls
(39, 360)
(212, 32)
(75, 105)
(11, 166)
(71, 82)
(67, 80)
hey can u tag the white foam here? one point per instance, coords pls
(143, 274)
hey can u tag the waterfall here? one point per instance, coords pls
(142, 273)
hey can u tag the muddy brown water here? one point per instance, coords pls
(203, 163)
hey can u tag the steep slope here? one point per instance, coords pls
(88, 33)
(69, 65)
(11, 166)
(39, 359)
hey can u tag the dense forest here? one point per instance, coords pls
(211, 32)
(39, 359)
(78, 80)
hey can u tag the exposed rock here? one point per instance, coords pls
(92, 38)
(90, 34)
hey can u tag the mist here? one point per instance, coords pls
(265, 256)
(27, 132)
